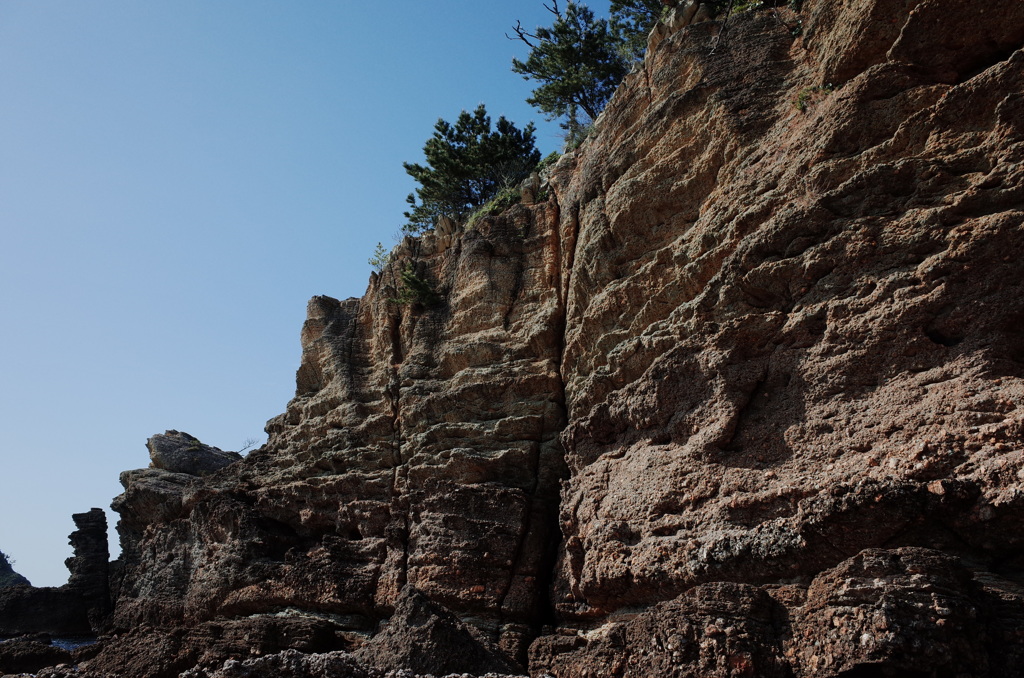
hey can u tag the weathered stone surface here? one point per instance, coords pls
(27, 609)
(906, 611)
(179, 452)
(89, 566)
(899, 612)
(165, 652)
(288, 664)
(421, 448)
(742, 396)
(823, 348)
(713, 631)
(423, 637)
(293, 664)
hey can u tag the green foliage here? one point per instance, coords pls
(415, 290)
(549, 160)
(719, 6)
(578, 62)
(507, 197)
(380, 258)
(803, 98)
(467, 164)
(746, 5)
(632, 21)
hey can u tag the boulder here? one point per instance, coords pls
(28, 655)
(423, 637)
(181, 453)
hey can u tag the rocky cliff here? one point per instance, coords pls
(8, 577)
(740, 396)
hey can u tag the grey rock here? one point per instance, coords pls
(182, 453)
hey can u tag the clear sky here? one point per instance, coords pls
(177, 178)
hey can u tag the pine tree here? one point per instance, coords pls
(577, 62)
(632, 21)
(467, 164)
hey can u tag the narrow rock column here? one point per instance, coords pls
(90, 577)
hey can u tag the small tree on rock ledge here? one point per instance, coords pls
(578, 62)
(468, 163)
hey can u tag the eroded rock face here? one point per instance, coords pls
(714, 630)
(423, 637)
(742, 396)
(825, 349)
(421, 449)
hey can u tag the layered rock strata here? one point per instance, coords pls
(740, 396)
(421, 450)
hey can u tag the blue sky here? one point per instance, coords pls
(177, 178)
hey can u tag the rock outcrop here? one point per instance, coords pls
(8, 577)
(179, 452)
(82, 606)
(742, 396)
(23, 655)
(423, 637)
(421, 449)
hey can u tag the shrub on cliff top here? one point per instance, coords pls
(506, 197)
(468, 163)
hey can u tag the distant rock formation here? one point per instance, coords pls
(8, 577)
(741, 395)
(82, 606)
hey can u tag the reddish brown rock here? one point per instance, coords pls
(165, 652)
(713, 630)
(756, 364)
(421, 448)
(823, 348)
(423, 637)
(905, 612)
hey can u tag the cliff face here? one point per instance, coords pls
(741, 396)
(421, 448)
